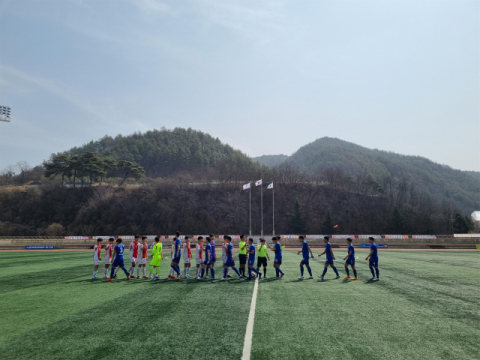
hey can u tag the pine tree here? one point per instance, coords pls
(397, 221)
(297, 221)
(328, 224)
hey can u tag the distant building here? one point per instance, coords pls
(476, 220)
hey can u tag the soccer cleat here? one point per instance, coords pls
(109, 279)
(337, 277)
(310, 277)
(174, 277)
(128, 277)
(199, 278)
(138, 277)
(320, 277)
(276, 278)
(94, 278)
(347, 277)
(373, 278)
(300, 278)
(179, 277)
(355, 278)
(212, 278)
(146, 277)
(239, 277)
(229, 276)
(376, 279)
(223, 279)
(282, 275)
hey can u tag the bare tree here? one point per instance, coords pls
(24, 169)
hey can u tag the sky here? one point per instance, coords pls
(267, 77)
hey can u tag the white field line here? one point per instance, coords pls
(247, 345)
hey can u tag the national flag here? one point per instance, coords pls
(270, 186)
(336, 226)
(246, 186)
(259, 182)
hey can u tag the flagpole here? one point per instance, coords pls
(250, 211)
(273, 194)
(261, 204)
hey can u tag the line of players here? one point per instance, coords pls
(204, 264)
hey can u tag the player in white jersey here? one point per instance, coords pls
(187, 257)
(97, 256)
(143, 257)
(224, 253)
(108, 256)
(199, 256)
(133, 248)
(172, 272)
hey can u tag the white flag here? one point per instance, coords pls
(270, 186)
(246, 186)
(259, 182)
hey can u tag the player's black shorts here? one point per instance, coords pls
(261, 261)
(243, 259)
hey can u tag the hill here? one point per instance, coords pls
(270, 160)
(441, 181)
(163, 153)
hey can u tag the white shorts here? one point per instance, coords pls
(142, 261)
(108, 261)
(187, 260)
(132, 259)
(224, 259)
(199, 261)
(96, 261)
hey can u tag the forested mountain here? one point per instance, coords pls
(440, 181)
(270, 160)
(164, 153)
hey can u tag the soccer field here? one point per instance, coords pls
(425, 306)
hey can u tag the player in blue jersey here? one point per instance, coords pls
(251, 260)
(277, 248)
(350, 260)
(230, 262)
(306, 254)
(207, 263)
(373, 263)
(118, 251)
(177, 243)
(330, 257)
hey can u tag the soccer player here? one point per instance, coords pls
(306, 252)
(142, 262)
(242, 254)
(262, 257)
(277, 248)
(177, 254)
(199, 256)
(172, 272)
(97, 257)
(133, 249)
(230, 262)
(187, 257)
(330, 257)
(224, 252)
(207, 263)
(118, 251)
(350, 260)
(214, 254)
(157, 257)
(251, 260)
(373, 263)
(108, 256)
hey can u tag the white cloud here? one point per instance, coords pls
(153, 6)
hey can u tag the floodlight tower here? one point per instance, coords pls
(5, 113)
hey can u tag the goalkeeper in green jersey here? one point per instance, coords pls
(157, 257)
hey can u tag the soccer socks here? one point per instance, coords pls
(280, 271)
(264, 272)
(373, 271)
(105, 272)
(336, 271)
(355, 272)
(324, 271)
(138, 271)
(256, 271)
(249, 272)
(116, 270)
(152, 270)
(213, 273)
(177, 269)
(309, 270)
(208, 269)
(378, 272)
(225, 272)
(236, 270)
(301, 270)
(126, 272)
(277, 272)
(203, 273)
(144, 271)
(95, 273)
(112, 272)
(348, 272)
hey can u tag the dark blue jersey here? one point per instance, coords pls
(178, 247)
(328, 251)
(305, 252)
(208, 252)
(373, 248)
(230, 252)
(119, 250)
(278, 250)
(251, 256)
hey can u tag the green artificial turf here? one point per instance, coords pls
(426, 306)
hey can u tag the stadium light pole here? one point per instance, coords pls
(5, 113)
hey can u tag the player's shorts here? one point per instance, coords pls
(142, 261)
(230, 262)
(156, 261)
(305, 261)
(278, 261)
(187, 260)
(243, 259)
(176, 260)
(96, 261)
(328, 262)
(108, 260)
(208, 263)
(261, 261)
(251, 262)
(350, 262)
(373, 262)
(224, 259)
(132, 259)
(118, 262)
(199, 261)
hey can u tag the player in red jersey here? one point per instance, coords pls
(108, 256)
(134, 249)
(97, 256)
(142, 262)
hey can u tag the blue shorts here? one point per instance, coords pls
(329, 262)
(214, 259)
(373, 262)
(305, 261)
(230, 262)
(208, 263)
(251, 262)
(176, 260)
(278, 261)
(350, 262)
(118, 262)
